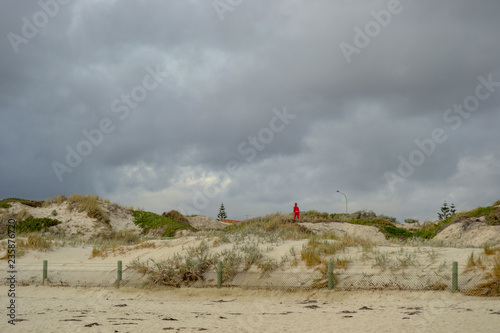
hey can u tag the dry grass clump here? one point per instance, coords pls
(489, 250)
(125, 237)
(83, 202)
(493, 218)
(22, 214)
(90, 204)
(35, 241)
(474, 263)
(114, 242)
(271, 228)
(492, 286)
(59, 200)
(100, 250)
(179, 269)
(318, 247)
(286, 228)
(342, 263)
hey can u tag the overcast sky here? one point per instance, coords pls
(258, 104)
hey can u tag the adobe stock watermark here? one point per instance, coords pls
(372, 29)
(121, 107)
(248, 149)
(454, 117)
(30, 27)
(222, 6)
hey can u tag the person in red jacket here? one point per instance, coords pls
(296, 212)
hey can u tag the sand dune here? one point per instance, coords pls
(80, 294)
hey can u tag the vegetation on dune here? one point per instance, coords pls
(6, 203)
(90, 204)
(176, 216)
(267, 228)
(150, 221)
(32, 224)
(179, 269)
(492, 286)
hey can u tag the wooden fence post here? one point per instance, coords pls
(454, 277)
(119, 274)
(330, 275)
(44, 276)
(219, 274)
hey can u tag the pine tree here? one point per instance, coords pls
(447, 211)
(453, 211)
(222, 213)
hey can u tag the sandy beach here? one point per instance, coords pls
(381, 285)
(64, 309)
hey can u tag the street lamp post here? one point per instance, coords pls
(345, 200)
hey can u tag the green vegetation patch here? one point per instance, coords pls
(491, 213)
(4, 203)
(390, 230)
(150, 221)
(480, 211)
(32, 224)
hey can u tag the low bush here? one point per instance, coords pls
(480, 211)
(150, 221)
(176, 216)
(32, 224)
(179, 269)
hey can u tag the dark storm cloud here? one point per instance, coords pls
(174, 94)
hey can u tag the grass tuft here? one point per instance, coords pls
(179, 269)
(492, 286)
(35, 241)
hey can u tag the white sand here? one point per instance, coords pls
(58, 309)
(347, 229)
(75, 223)
(470, 232)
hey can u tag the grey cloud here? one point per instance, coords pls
(353, 120)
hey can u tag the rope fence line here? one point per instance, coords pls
(106, 274)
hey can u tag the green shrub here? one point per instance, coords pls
(178, 270)
(391, 230)
(480, 211)
(363, 214)
(32, 224)
(31, 203)
(493, 218)
(176, 216)
(150, 221)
